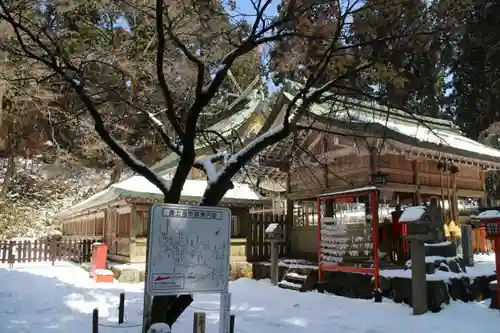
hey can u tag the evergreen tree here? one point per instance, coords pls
(409, 41)
(476, 72)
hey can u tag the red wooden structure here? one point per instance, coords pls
(491, 219)
(350, 196)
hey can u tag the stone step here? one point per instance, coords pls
(290, 285)
(299, 281)
(295, 278)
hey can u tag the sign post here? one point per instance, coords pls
(188, 252)
(225, 312)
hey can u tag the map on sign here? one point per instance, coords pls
(188, 249)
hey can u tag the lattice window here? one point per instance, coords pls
(298, 216)
(305, 214)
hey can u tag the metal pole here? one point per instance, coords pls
(121, 308)
(224, 312)
(95, 320)
(148, 300)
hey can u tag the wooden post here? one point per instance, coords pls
(483, 201)
(121, 308)
(12, 258)
(199, 322)
(274, 261)
(328, 203)
(416, 181)
(289, 214)
(53, 248)
(95, 321)
(134, 229)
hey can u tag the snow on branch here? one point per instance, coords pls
(209, 167)
(160, 128)
(222, 180)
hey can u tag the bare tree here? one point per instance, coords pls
(187, 30)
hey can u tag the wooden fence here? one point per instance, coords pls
(258, 247)
(49, 249)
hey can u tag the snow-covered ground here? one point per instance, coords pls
(44, 299)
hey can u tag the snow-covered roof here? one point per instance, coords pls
(441, 134)
(140, 187)
(224, 128)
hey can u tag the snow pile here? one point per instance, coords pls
(484, 257)
(258, 307)
(413, 214)
(38, 190)
(481, 269)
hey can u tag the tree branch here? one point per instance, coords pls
(160, 59)
(190, 55)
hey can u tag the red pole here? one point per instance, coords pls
(318, 214)
(374, 209)
(497, 264)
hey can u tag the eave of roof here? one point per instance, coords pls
(139, 187)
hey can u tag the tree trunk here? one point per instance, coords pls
(1, 108)
(11, 168)
(167, 309)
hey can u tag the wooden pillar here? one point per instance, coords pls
(416, 180)
(328, 203)
(133, 220)
(454, 196)
(373, 160)
(483, 201)
(289, 214)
